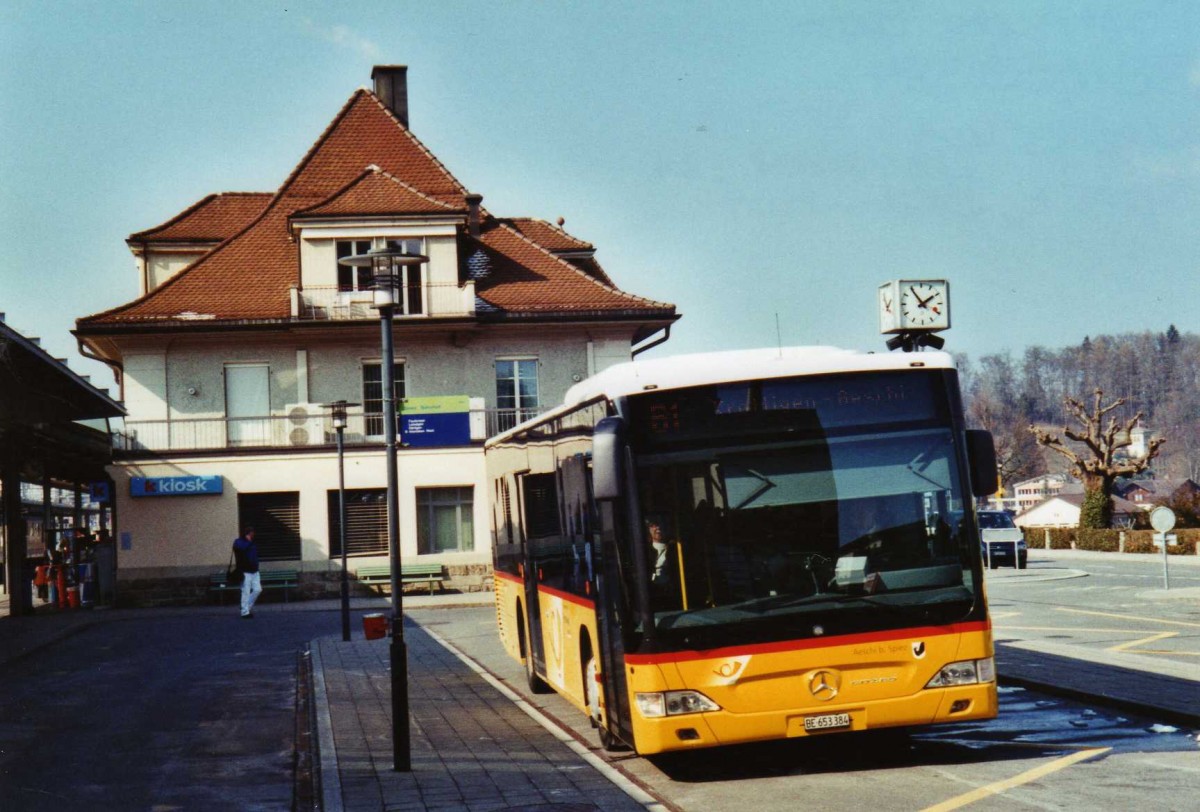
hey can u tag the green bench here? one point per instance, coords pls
(271, 579)
(409, 574)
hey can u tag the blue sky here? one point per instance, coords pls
(750, 162)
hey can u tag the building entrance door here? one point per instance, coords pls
(248, 404)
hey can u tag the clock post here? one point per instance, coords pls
(911, 311)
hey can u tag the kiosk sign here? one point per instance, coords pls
(176, 486)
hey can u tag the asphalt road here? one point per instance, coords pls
(1113, 606)
(1043, 752)
(157, 710)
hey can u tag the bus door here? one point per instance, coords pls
(527, 492)
(612, 615)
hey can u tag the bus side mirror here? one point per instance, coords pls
(608, 456)
(981, 456)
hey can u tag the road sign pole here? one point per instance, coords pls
(1162, 519)
(1161, 538)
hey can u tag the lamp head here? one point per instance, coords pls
(385, 263)
(337, 413)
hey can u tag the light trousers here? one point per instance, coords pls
(251, 589)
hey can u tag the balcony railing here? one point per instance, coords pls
(296, 430)
(421, 301)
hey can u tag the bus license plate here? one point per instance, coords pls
(828, 721)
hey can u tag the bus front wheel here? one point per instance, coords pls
(591, 673)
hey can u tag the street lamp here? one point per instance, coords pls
(337, 415)
(386, 264)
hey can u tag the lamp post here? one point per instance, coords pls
(386, 263)
(337, 415)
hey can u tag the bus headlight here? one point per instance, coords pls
(674, 703)
(966, 672)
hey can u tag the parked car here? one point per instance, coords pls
(1002, 542)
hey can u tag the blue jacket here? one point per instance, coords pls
(245, 552)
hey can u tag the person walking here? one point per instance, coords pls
(245, 552)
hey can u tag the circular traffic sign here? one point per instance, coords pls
(1162, 519)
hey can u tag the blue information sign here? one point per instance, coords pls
(435, 421)
(176, 486)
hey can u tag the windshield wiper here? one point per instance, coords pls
(760, 605)
(920, 611)
(783, 601)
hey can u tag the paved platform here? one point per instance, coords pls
(472, 747)
(1158, 689)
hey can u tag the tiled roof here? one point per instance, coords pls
(525, 277)
(367, 163)
(555, 238)
(552, 238)
(1157, 487)
(376, 192)
(1077, 498)
(211, 219)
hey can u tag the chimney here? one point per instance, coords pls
(473, 201)
(391, 86)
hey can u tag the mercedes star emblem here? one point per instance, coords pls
(824, 685)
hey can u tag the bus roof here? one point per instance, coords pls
(727, 366)
(679, 371)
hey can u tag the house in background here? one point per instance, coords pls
(1063, 509)
(1146, 493)
(247, 323)
(1030, 492)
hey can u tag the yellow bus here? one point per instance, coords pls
(749, 545)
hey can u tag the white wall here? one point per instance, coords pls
(186, 381)
(1051, 513)
(144, 386)
(191, 535)
(164, 266)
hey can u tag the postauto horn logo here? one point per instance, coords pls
(176, 486)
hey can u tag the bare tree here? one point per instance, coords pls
(1097, 464)
(1017, 454)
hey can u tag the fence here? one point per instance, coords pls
(301, 428)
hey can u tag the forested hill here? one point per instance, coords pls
(1158, 374)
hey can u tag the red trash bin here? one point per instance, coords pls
(375, 626)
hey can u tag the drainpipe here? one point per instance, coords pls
(639, 350)
(117, 367)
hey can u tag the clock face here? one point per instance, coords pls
(924, 305)
(889, 311)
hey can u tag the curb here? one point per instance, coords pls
(331, 780)
(614, 775)
(1128, 705)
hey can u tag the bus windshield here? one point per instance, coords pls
(804, 531)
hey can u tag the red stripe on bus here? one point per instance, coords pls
(810, 643)
(549, 590)
(567, 596)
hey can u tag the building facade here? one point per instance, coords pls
(248, 322)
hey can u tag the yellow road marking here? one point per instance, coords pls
(1017, 780)
(1151, 639)
(1172, 653)
(1129, 617)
